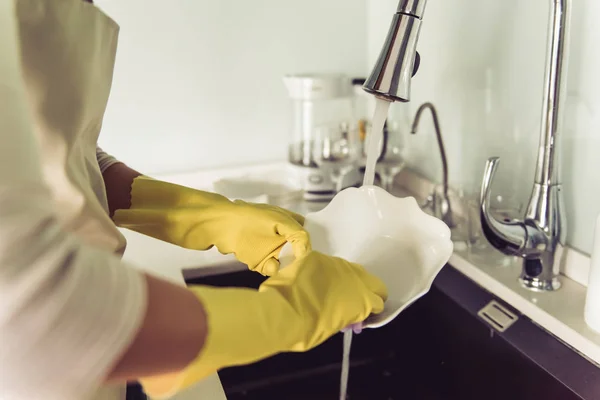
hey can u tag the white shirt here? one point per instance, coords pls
(68, 306)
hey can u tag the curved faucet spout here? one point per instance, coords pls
(509, 237)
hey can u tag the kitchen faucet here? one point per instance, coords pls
(539, 238)
(441, 203)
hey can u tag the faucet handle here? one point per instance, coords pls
(508, 237)
(489, 173)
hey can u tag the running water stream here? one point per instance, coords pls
(374, 147)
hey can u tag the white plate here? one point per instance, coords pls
(390, 236)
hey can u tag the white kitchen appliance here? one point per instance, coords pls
(321, 102)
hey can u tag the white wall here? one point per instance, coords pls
(482, 66)
(198, 83)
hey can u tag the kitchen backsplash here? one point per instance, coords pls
(482, 65)
(198, 83)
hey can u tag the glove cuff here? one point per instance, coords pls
(148, 192)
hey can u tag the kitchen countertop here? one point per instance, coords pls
(560, 313)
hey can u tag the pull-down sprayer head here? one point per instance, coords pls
(399, 60)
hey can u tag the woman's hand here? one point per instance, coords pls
(299, 308)
(254, 233)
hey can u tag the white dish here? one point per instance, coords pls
(390, 236)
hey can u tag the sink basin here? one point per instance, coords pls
(437, 349)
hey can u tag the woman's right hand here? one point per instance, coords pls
(299, 308)
(328, 293)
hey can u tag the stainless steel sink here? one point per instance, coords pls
(438, 349)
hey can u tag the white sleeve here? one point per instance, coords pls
(67, 311)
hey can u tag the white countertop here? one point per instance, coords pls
(560, 313)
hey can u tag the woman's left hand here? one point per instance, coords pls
(254, 233)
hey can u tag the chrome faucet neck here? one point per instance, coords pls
(415, 8)
(555, 84)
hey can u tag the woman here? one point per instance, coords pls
(74, 320)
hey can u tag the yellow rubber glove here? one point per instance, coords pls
(254, 233)
(296, 310)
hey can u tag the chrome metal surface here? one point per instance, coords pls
(412, 7)
(441, 203)
(391, 77)
(540, 236)
(497, 316)
(548, 168)
(506, 236)
(545, 220)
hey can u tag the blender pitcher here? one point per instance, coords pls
(321, 102)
